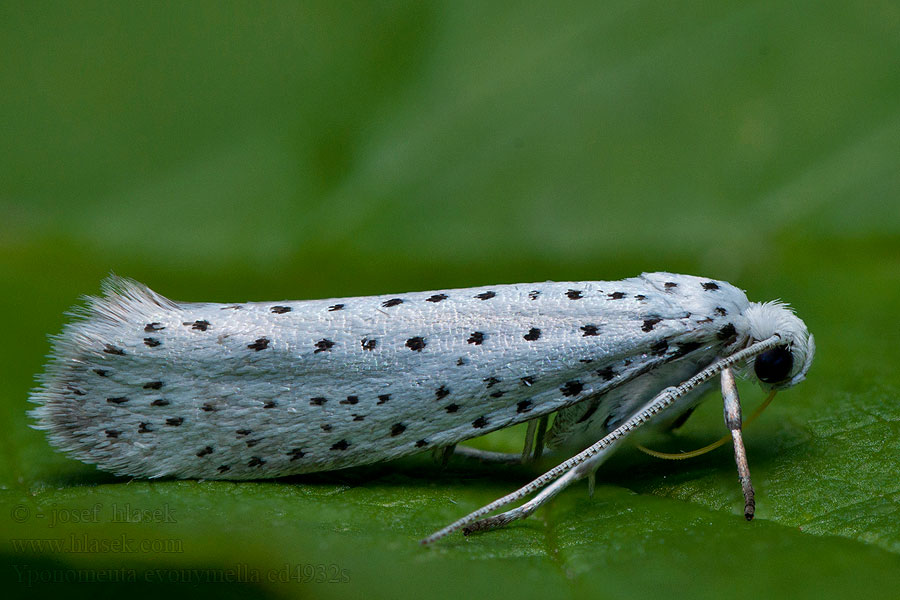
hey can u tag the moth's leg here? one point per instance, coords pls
(529, 440)
(585, 469)
(537, 428)
(442, 455)
(733, 421)
(539, 437)
(534, 439)
(505, 458)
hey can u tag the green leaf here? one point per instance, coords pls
(230, 152)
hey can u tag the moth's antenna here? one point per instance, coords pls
(660, 402)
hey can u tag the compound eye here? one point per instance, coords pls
(774, 365)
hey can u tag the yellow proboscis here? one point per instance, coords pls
(714, 445)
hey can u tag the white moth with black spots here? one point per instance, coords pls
(143, 386)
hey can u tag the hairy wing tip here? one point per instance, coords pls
(80, 345)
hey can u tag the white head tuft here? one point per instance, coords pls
(776, 318)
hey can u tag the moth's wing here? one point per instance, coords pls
(148, 387)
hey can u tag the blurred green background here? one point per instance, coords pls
(259, 151)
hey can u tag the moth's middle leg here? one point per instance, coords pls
(533, 448)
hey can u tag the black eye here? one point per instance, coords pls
(774, 365)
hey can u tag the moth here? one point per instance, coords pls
(143, 386)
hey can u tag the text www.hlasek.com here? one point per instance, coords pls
(83, 543)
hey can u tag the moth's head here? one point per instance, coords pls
(786, 364)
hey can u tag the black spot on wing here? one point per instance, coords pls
(151, 342)
(480, 423)
(572, 388)
(110, 349)
(574, 294)
(441, 392)
(523, 406)
(710, 286)
(590, 330)
(151, 327)
(323, 345)
(335, 307)
(341, 445)
(174, 421)
(649, 324)
(205, 451)
(533, 334)
(607, 373)
(685, 349)
(486, 295)
(727, 332)
(199, 325)
(153, 385)
(260, 344)
(616, 295)
(436, 298)
(415, 344)
(397, 429)
(476, 338)
(280, 310)
(392, 302)
(368, 344)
